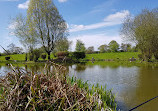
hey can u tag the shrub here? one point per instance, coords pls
(43, 56)
(7, 58)
(37, 54)
(62, 54)
(79, 55)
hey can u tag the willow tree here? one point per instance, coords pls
(21, 30)
(143, 30)
(44, 18)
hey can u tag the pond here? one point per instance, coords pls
(132, 84)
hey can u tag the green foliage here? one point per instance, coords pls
(113, 46)
(80, 47)
(62, 44)
(79, 55)
(7, 58)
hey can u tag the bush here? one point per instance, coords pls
(43, 56)
(79, 55)
(62, 54)
(7, 58)
(37, 54)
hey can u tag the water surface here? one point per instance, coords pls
(132, 84)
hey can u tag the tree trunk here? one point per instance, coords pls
(48, 55)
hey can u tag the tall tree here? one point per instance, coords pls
(44, 18)
(103, 48)
(80, 47)
(143, 30)
(113, 46)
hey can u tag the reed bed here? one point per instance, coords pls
(51, 90)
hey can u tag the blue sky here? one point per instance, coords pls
(95, 22)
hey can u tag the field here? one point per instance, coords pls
(113, 56)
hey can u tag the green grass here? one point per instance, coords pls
(114, 56)
(18, 57)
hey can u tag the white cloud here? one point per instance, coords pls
(118, 16)
(76, 28)
(94, 40)
(111, 20)
(62, 0)
(24, 5)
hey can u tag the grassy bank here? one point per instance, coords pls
(18, 58)
(123, 56)
(51, 91)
